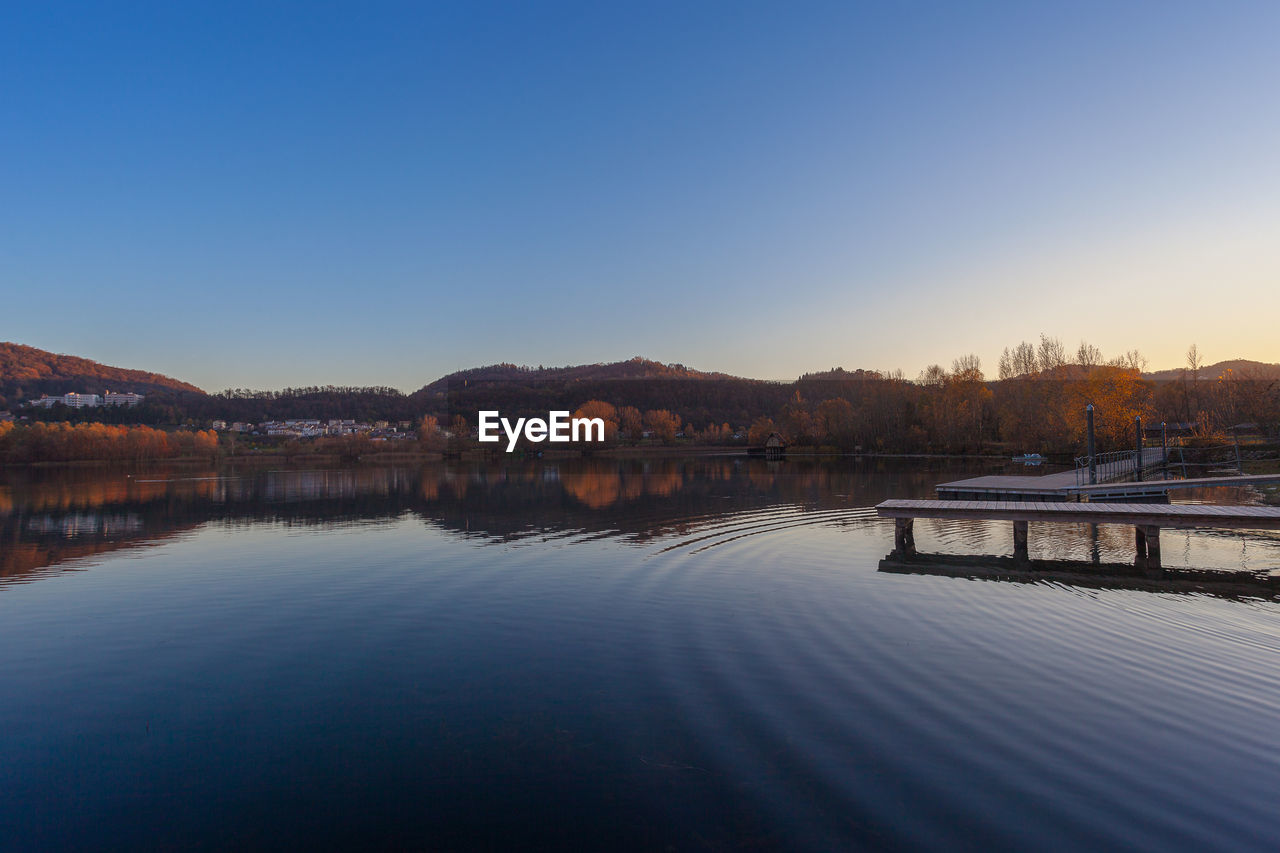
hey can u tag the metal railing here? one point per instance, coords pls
(1116, 465)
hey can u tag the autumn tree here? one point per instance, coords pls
(967, 400)
(834, 420)
(663, 424)
(605, 412)
(760, 431)
(630, 423)
(65, 442)
(459, 432)
(1118, 395)
(430, 436)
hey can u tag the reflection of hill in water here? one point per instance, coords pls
(50, 517)
(639, 499)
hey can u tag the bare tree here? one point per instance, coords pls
(1088, 355)
(1194, 362)
(1131, 360)
(1004, 368)
(1021, 361)
(968, 366)
(933, 376)
(1051, 355)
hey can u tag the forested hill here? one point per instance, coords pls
(635, 368)
(1037, 405)
(27, 372)
(1241, 368)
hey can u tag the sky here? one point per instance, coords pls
(262, 195)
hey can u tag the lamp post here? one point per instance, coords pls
(1137, 457)
(1093, 463)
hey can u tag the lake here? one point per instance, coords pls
(659, 654)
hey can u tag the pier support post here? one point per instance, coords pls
(904, 538)
(1153, 549)
(1140, 546)
(1020, 542)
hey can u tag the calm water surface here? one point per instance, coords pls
(670, 654)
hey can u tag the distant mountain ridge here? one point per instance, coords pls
(634, 368)
(1241, 368)
(33, 372)
(26, 372)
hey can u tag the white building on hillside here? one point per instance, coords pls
(116, 399)
(81, 401)
(74, 400)
(70, 399)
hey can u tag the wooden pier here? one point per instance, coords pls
(1065, 486)
(1147, 519)
(1061, 486)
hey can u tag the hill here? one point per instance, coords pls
(27, 372)
(1242, 369)
(639, 382)
(635, 368)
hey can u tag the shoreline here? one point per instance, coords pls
(418, 457)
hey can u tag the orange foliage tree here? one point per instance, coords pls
(64, 442)
(630, 423)
(1118, 396)
(605, 411)
(663, 423)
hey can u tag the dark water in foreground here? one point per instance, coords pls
(673, 654)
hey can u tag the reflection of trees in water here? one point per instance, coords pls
(429, 486)
(68, 489)
(600, 484)
(594, 483)
(23, 555)
(51, 516)
(596, 490)
(1050, 540)
(762, 476)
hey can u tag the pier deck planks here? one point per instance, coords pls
(1156, 515)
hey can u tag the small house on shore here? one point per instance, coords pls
(773, 448)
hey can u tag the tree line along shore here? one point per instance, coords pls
(1035, 405)
(948, 412)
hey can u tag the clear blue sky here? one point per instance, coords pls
(260, 195)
